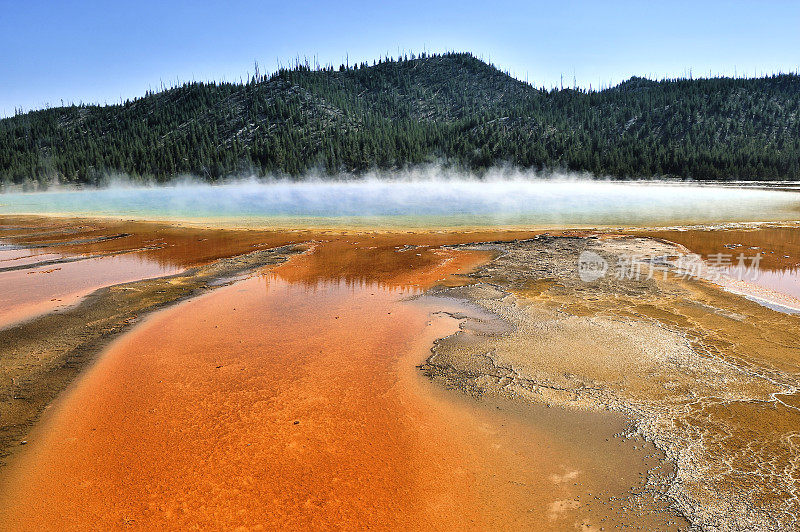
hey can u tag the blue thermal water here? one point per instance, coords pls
(421, 203)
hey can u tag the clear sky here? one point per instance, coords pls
(100, 51)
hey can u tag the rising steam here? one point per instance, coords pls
(422, 197)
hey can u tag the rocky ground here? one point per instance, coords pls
(709, 377)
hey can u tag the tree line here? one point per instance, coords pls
(452, 109)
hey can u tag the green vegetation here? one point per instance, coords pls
(452, 109)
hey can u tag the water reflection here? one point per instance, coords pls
(394, 260)
(779, 246)
(778, 249)
(377, 261)
(276, 280)
(49, 263)
(38, 288)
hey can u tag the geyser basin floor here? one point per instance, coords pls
(710, 377)
(327, 340)
(41, 356)
(292, 400)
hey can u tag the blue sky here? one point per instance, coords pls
(100, 51)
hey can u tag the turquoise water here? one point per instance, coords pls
(421, 203)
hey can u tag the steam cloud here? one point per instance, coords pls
(420, 197)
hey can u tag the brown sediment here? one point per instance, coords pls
(292, 400)
(702, 372)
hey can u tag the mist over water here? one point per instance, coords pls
(421, 202)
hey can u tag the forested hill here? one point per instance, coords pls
(452, 108)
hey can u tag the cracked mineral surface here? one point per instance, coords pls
(709, 377)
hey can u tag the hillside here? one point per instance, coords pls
(450, 108)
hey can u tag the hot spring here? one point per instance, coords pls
(423, 203)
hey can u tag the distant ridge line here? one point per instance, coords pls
(451, 109)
